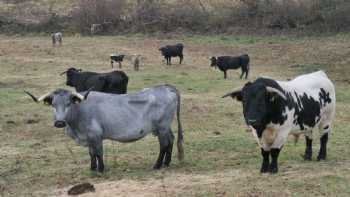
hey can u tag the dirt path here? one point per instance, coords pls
(170, 184)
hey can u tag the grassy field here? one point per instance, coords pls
(221, 159)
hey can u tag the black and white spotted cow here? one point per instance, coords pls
(274, 109)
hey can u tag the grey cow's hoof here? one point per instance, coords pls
(321, 158)
(157, 167)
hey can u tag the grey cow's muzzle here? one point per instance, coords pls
(60, 124)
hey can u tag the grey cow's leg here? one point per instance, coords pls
(274, 163)
(169, 149)
(99, 155)
(92, 153)
(120, 64)
(164, 142)
(308, 149)
(323, 148)
(266, 161)
(96, 154)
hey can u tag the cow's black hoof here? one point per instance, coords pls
(321, 157)
(101, 169)
(307, 157)
(157, 167)
(264, 168)
(93, 169)
(273, 170)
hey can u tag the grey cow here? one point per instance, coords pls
(96, 116)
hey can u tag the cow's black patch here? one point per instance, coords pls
(307, 110)
(324, 97)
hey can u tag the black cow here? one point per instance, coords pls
(225, 63)
(169, 51)
(113, 82)
(117, 58)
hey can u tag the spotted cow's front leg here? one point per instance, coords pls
(266, 161)
(323, 147)
(308, 149)
(274, 160)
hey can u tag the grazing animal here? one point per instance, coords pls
(137, 62)
(117, 58)
(169, 51)
(94, 116)
(274, 109)
(96, 28)
(56, 38)
(100, 28)
(113, 82)
(225, 63)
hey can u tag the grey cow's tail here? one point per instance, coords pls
(180, 136)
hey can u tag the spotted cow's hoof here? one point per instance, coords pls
(264, 168)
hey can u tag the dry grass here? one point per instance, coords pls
(220, 158)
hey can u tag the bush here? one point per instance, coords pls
(199, 16)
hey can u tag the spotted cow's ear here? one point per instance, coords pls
(235, 94)
(275, 93)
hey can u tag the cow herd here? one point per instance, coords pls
(101, 109)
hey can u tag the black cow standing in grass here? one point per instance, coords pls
(169, 51)
(225, 63)
(113, 82)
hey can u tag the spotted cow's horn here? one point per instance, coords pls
(274, 90)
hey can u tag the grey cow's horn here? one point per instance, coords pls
(32, 96)
(274, 90)
(44, 96)
(38, 100)
(81, 97)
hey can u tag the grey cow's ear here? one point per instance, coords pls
(235, 94)
(75, 99)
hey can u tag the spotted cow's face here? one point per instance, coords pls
(255, 106)
(256, 99)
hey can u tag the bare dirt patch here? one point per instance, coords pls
(170, 184)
